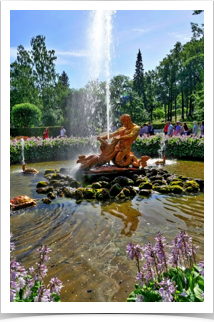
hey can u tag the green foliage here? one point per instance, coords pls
(54, 131)
(188, 281)
(25, 114)
(36, 150)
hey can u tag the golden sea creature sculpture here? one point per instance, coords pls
(119, 150)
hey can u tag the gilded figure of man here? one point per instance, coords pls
(127, 135)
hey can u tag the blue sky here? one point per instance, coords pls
(154, 32)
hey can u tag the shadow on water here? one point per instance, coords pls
(88, 240)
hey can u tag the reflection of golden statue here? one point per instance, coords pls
(119, 150)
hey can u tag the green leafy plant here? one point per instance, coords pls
(25, 114)
(161, 278)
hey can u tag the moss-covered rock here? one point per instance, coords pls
(102, 194)
(58, 176)
(151, 172)
(183, 178)
(123, 181)
(171, 178)
(115, 189)
(145, 192)
(201, 183)
(96, 185)
(78, 194)
(74, 184)
(166, 175)
(176, 183)
(134, 177)
(162, 189)
(155, 178)
(105, 184)
(42, 184)
(44, 189)
(48, 176)
(50, 171)
(141, 179)
(122, 195)
(78, 201)
(69, 192)
(51, 195)
(89, 194)
(69, 179)
(46, 200)
(191, 186)
(176, 189)
(59, 184)
(60, 193)
(162, 171)
(52, 182)
(65, 171)
(132, 191)
(145, 185)
(82, 190)
(103, 178)
(160, 182)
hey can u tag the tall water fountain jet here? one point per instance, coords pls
(23, 145)
(100, 41)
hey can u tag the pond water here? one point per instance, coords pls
(88, 240)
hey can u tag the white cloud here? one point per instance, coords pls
(140, 30)
(180, 36)
(63, 57)
(74, 53)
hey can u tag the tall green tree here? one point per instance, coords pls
(64, 79)
(44, 72)
(138, 79)
(22, 87)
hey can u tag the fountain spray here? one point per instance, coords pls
(100, 38)
(23, 157)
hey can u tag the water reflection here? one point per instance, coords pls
(88, 240)
(127, 214)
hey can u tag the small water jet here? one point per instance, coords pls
(161, 151)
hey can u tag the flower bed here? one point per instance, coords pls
(177, 146)
(37, 149)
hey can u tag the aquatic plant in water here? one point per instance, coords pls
(172, 277)
(27, 288)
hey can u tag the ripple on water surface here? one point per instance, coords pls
(88, 240)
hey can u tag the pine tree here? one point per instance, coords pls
(138, 80)
(64, 79)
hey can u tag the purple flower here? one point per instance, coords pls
(168, 288)
(134, 251)
(201, 268)
(139, 298)
(184, 294)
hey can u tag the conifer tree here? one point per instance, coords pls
(138, 81)
(64, 79)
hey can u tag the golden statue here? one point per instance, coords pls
(119, 150)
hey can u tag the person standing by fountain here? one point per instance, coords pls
(195, 128)
(202, 129)
(166, 128)
(46, 133)
(177, 128)
(150, 129)
(170, 129)
(185, 129)
(62, 132)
